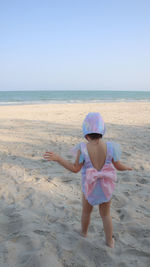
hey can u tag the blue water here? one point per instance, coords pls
(31, 97)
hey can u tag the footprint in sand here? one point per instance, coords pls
(136, 252)
(41, 232)
(127, 154)
(14, 221)
(139, 233)
(119, 201)
(24, 251)
(141, 168)
(124, 215)
(142, 181)
(126, 193)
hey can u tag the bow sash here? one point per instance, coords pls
(107, 177)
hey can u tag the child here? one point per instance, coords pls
(97, 160)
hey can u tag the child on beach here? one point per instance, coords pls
(98, 161)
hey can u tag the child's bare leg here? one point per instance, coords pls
(104, 210)
(86, 213)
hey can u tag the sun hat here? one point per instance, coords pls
(93, 123)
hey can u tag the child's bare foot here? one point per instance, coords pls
(111, 244)
(78, 231)
(83, 234)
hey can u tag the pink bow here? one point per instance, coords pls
(107, 177)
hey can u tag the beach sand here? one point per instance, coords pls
(40, 202)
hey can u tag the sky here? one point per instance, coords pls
(75, 45)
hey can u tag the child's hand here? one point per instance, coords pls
(51, 156)
(121, 167)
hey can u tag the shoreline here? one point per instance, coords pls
(71, 102)
(62, 96)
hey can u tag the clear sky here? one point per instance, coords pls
(75, 45)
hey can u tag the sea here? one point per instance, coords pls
(41, 97)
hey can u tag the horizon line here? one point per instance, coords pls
(70, 90)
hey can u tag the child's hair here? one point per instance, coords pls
(94, 136)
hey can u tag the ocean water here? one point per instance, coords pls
(31, 97)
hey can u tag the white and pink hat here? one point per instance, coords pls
(93, 123)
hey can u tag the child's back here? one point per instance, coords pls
(97, 151)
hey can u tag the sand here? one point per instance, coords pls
(40, 202)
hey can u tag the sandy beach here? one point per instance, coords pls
(40, 202)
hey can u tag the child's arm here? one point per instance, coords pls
(120, 166)
(73, 167)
